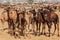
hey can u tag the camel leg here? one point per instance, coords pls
(58, 28)
(36, 28)
(49, 32)
(54, 29)
(43, 24)
(39, 27)
(49, 27)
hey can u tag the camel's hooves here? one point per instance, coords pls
(15, 37)
(35, 34)
(58, 35)
(41, 33)
(52, 34)
(44, 33)
(48, 35)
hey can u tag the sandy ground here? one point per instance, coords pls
(5, 36)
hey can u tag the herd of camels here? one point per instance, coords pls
(20, 17)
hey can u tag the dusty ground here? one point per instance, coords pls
(5, 36)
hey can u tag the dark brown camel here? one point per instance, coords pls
(50, 17)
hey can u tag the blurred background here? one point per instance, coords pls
(28, 1)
